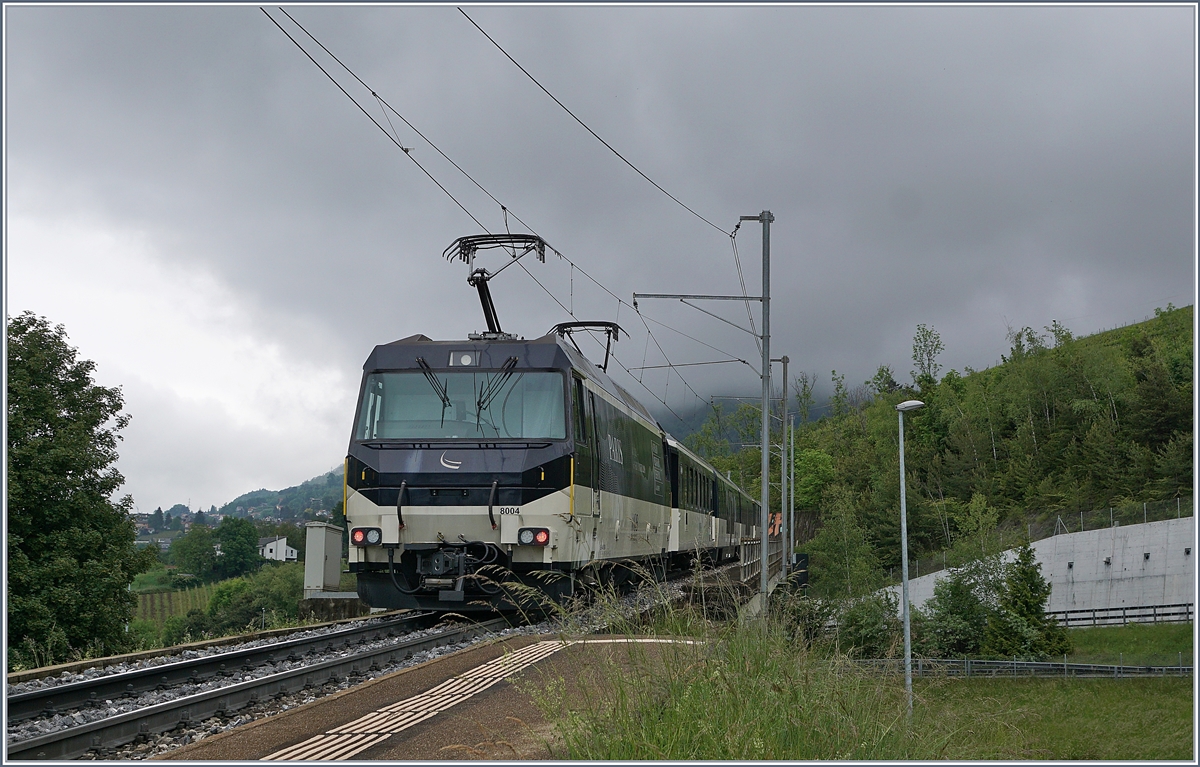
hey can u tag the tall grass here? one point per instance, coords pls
(1113, 719)
(749, 692)
(1136, 644)
(757, 690)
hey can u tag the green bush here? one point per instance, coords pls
(805, 617)
(269, 598)
(869, 628)
(990, 609)
(158, 579)
(952, 624)
(193, 627)
(144, 634)
(279, 588)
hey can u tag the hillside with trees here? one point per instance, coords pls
(320, 493)
(1062, 425)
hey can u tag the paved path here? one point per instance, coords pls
(477, 704)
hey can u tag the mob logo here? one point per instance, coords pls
(450, 463)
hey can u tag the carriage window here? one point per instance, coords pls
(474, 405)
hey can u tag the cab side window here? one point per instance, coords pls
(580, 412)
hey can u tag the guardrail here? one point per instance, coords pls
(1120, 616)
(750, 556)
(995, 668)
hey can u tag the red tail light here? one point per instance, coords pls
(533, 536)
(366, 536)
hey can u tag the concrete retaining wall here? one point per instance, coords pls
(335, 605)
(1080, 579)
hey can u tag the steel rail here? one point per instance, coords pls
(123, 728)
(88, 693)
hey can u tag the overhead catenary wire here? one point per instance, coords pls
(587, 128)
(394, 138)
(402, 148)
(687, 364)
(732, 234)
(737, 260)
(404, 119)
(691, 337)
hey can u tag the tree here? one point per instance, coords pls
(954, 622)
(157, 522)
(976, 524)
(71, 552)
(842, 562)
(194, 552)
(804, 384)
(814, 472)
(239, 548)
(884, 381)
(927, 345)
(1020, 627)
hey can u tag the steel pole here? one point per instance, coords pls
(765, 498)
(791, 489)
(904, 576)
(783, 478)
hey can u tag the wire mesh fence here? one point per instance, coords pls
(994, 668)
(1059, 523)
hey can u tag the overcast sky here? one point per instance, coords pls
(227, 235)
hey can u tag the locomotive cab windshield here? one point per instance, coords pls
(497, 404)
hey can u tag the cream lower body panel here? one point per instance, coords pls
(691, 531)
(626, 528)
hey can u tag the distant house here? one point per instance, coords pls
(161, 539)
(276, 548)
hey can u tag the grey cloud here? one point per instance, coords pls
(960, 167)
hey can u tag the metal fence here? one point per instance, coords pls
(1016, 668)
(1060, 522)
(1120, 616)
(750, 555)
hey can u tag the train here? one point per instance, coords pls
(481, 469)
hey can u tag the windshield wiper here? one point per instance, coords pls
(491, 388)
(438, 386)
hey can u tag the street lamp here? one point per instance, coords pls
(903, 408)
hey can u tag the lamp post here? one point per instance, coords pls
(903, 408)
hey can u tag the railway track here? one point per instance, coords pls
(117, 709)
(113, 731)
(86, 693)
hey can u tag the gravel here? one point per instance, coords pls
(149, 745)
(145, 746)
(120, 668)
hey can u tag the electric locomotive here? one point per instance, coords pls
(479, 464)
